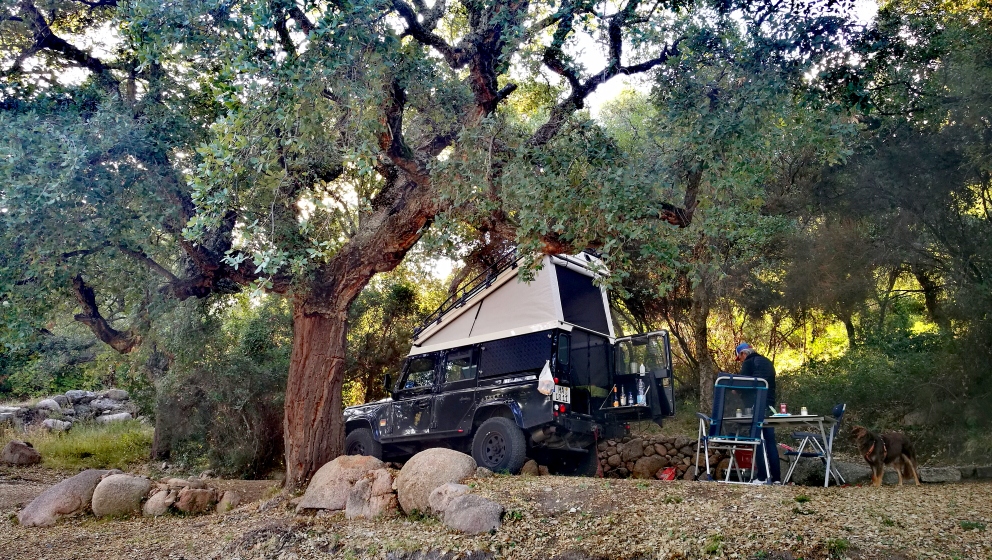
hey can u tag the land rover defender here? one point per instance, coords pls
(470, 381)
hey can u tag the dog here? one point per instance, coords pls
(890, 448)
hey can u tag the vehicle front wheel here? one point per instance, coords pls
(500, 446)
(361, 442)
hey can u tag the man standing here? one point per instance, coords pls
(754, 364)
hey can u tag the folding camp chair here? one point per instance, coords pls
(723, 430)
(811, 445)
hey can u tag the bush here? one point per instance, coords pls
(926, 385)
(220, 401)
(116, 445)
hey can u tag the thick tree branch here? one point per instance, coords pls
(456, 57)
(45, 38)
(123, 342)
(143, 258)
(301, 19)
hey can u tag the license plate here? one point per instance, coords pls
(563, 394)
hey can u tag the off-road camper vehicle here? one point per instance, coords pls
(471, 379)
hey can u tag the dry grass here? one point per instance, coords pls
(546, 516)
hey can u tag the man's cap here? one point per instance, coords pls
(741, 347)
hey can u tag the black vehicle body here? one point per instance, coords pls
(450, 391)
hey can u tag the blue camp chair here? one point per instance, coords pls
(811, 445)
(723, 430)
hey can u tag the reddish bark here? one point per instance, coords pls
(314, 432)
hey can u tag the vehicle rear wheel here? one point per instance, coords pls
(500, 446)
(361, 442)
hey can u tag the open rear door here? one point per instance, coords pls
(648, 358)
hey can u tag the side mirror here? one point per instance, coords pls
(387, 383)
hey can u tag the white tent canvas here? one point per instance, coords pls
(511, 307)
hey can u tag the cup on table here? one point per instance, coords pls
(739, 413)
(749, 411)
(804, 411)
(782, 409)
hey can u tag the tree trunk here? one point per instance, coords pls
(699, 316)
(313, 424)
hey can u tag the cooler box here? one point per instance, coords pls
(743, 458)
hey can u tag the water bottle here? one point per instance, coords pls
(641, 396)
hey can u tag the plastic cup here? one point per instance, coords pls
(804, 411)
(782, 409)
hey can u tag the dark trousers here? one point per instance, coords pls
(772, 451)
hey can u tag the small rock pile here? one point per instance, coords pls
(111, 493)
(58, 413)
(649, 456)
(430, 482)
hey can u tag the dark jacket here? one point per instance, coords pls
(756, 365)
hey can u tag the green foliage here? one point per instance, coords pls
(921, 384)
(116, 445)
(837, 547)
(381, 323)
(220, 403)
(972, 525)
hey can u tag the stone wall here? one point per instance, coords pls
(647, 456)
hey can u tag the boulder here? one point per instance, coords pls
(613, 461)
(7, 417)
(48, 404)
(119, 417)
(646, 467)
(632, 450)
(939, 474)
(441, 497)
(983, 472)
(427, 470)
(77, 397)
(196, 500)
(104, 405)
(372, 496)
(54, 425)
(330, 486)
(473, 514)
(119, 494)
(483, 472)
(84, 411)
(19, 453)
(68, 497)
(116, 395)
(530, 468)
(62, 400)
(159, 503)
(228, 501)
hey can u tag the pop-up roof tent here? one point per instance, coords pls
(563, 294)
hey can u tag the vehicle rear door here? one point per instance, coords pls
(411, 411)
(652, 353)
(456, 399)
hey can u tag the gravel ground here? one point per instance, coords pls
(547, 517)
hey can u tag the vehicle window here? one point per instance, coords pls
(563, 349)
(460, 366)
(420, 373)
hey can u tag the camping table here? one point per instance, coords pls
(822, 423)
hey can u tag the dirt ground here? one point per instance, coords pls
(546, 517)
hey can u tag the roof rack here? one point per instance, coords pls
(469, 290)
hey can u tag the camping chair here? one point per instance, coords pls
(811, 445)
(738, 436)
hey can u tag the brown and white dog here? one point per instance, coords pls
(890, 448)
